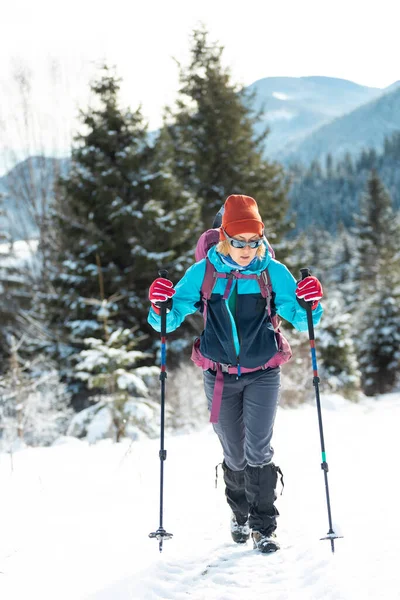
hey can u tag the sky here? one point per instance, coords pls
(351, 40)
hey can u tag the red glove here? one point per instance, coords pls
(310, 290)
(161, 290)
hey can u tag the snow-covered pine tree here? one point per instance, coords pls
(376, 229)
(14, 293)
(344, 251)
(336, 348)
(123, 407)
(345, 255)
(327, 256)
(118, 206)
(379, 341)
(33, 402)
(215, 147)
(378, 279)
(379, 338)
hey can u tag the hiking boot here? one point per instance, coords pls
(240, 532)
(265, 542)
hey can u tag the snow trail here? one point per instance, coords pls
(75, 519)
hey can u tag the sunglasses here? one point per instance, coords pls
(242, 244)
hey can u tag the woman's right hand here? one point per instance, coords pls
(161, 290)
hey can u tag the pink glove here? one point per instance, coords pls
(161, 290)
(310, 290)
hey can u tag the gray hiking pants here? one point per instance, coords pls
(247, 416)
(244, 428)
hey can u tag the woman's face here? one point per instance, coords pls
(244, 256)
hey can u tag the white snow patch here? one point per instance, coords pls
(280, 96)
(75, 517)
(99, 425)
(66, 439)
(279, 115)
(21, 249)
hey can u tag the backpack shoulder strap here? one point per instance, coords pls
(211, 276)
(207, 286)
(209, 281)
(264, 281)
(266, 291)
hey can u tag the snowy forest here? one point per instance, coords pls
(78, 357)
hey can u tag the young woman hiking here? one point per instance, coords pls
(240, 351)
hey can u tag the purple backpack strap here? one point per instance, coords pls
(209, 280)
(264, 281)
(208, 285)
(266, 291)
(211, 276)
(217, 395)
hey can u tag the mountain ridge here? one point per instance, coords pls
(364, 127)
(294, 107)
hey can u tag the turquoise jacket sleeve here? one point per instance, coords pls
(287, 307)
(186, 300)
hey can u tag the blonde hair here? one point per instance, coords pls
(224, 248)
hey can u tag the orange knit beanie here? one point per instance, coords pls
(241, 216)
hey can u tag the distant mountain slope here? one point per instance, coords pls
(296, 106)
(27, 189)
(364, 127)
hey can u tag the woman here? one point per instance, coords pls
(240, 345)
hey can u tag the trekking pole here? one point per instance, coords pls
(331, 535)
(161, 534)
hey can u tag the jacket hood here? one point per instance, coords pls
(257, 267)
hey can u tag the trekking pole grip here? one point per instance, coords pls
(163, 307)
(305, 272)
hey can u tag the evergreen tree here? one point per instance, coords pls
(329, 165)
(33, 402)
(315, 170)
(348, 165)
(378, 278)
(216, 150)
(377, 233)
(392, 145)
(336, 348)
(14, 293)
(119, 216)
(379, 342)
(335, 197)
(344, 252)
(123, 405)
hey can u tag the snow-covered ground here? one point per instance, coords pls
(75, 519)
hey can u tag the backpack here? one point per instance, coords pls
(208, 239)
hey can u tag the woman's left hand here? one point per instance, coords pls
(310, 290)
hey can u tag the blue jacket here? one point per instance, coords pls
(248, 338)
